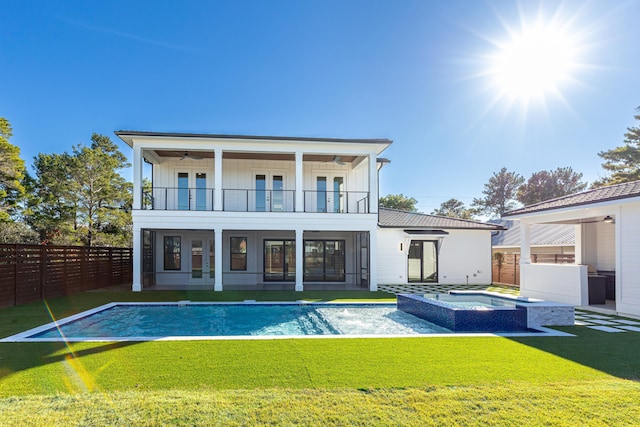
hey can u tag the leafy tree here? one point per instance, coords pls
(51, 208)
(81, 197)
(623, 163)
(399, 202)
(499, 193)
(11, 173)
(17, 232)
(454, 208)
(546, 185)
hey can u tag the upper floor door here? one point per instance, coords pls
(269, 193)
(330, 192)
(193, 191)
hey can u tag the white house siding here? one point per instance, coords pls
(238, 173)
(628, 278)
(606, 247)
(462, 255)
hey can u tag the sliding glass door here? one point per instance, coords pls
(279, 260)
(423, 261)
(324, 261)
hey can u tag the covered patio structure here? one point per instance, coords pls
(606, 271)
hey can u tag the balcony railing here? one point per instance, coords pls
(177, 199)
(236, 200)
(336, 201)
(241, 200)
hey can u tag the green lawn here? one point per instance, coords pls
(589, 379)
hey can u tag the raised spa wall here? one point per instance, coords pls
(528, 314)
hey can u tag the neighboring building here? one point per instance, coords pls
(551, 243)
(547, 240)
(606, 269)
(257, 212)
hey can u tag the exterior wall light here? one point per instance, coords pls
(400, 246)
(608, 219)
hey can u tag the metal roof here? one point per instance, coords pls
(597, 195)
(541, 234)
(124, 133)
(392, 218)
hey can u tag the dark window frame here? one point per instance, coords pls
(309, 278)
(169, 242)
(238, 254)
(433, 278)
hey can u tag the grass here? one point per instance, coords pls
(589, 379)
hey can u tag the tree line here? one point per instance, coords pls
(73, 198)
(507, 190)
(81, 198)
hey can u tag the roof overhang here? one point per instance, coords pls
(427, 232)
(130, 137)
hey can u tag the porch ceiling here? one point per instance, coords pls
(255, 156)
(576, 221)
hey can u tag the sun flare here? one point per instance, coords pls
(534, 63)
(536, 58)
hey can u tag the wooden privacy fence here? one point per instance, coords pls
(35, 272)
(509, 271)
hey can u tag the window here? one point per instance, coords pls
(261, 193)
(201, 191)
(172, 252)
(183, 191)
(238, 253)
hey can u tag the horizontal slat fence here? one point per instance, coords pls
(509, 271)
(35, 272)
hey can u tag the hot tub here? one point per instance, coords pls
(462, 311)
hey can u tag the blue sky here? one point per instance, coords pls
(422, 73)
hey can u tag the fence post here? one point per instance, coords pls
(111, 276)
(15, 274)
(43, 271)
(83, 272)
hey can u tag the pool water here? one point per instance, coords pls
(472, 301)
(121, 321)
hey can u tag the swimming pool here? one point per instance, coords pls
(472, 311)
(191, 320)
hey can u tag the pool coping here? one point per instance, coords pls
(23, 337)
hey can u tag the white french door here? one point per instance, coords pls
(330, 192)
(201, 261)
(193, 190)
(269, 194)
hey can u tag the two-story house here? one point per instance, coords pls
(257, 212)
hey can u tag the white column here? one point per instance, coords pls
(137, 178)
(299, 260)
(373, 184)
(618, 245)
(579, 247)
(136, 286)
(299, 178)
(217, 174)
(525, 254)
(217, 243)
(525, 243)
(373, 250)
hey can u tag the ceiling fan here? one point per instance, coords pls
(186, 155)
(338, 160)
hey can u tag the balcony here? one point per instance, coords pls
(243, 200)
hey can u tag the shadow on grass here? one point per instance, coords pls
(612, 353)
(17, 357)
